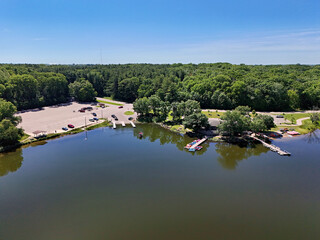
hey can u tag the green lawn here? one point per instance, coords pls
(306, 127)
(294, 116)
(103, 124)
(128, 113)
(111, 103)
(213, 114)
(24, 137)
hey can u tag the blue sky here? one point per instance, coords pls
(154, 31)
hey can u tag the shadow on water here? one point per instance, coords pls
(230, 155)
(153, 132)
(10, 162)
(313, 137)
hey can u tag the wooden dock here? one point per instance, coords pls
(114, 125)
(123, 124)
(272, 147)
(193, 147)
(133, 125)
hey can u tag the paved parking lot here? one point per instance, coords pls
(52, 119)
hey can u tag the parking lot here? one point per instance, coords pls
(52, 119)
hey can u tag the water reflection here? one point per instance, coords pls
(10, 162)
(154, 132)
(231, 155)
(313, 137)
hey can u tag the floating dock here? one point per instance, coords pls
(123, 124)
(193, 147)
(114, 125)
(133, 125)
(272, 147)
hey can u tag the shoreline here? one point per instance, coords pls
(107, 123)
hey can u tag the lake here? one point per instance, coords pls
(110, 184)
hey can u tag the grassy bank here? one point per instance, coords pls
(213, 114)
(111, 103)
(305, 128)
(26, 140)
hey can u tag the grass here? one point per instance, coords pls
(128, 113)
(103, 124)
(292, 117)
(305, 128)
(109, 98)
(111, 103)
(213, 114)
(179, 129)
(24, 137)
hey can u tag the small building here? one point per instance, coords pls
(39, 133)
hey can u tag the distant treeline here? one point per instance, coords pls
(218, 85)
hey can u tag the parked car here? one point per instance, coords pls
(279, 116)
(94, 114)
(70, 126)
(114, 116)
(65, 128)
(91, 120)
(96, 119)
(130, 118)
(120, 107)
(82, 110)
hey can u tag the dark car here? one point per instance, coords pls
(70, 126)
(130, 118)
(120, 107)
(65, 129)
(82, 110)
(279, 116)
(96, 119)
(94, 114)
(114, 116)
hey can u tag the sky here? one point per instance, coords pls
(160, 31)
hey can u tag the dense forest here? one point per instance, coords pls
(218, 85)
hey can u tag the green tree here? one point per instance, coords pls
(191, 106)
(155, 104)
(294, 99)
(196, 121)
(315, 118)
(244, 110)
(142, 106)
(233, 123)
(22, 90)
(9, 133)
(7, 111)
(82, 90)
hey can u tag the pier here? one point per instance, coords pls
(114, 125)
(193, 147)
(271, 147)
(133, 125)
(123, 124)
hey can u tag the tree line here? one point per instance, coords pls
(217, 86)
(153, 108)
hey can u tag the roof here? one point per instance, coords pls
(38, 132)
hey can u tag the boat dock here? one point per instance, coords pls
(272, 147)
(123, 124)
(114, 125)
(193, 147)
(133, 125)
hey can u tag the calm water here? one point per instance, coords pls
(116, 186)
